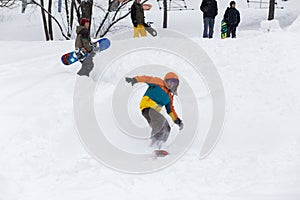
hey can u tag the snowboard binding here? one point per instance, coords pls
(81, 55)
(149, 24)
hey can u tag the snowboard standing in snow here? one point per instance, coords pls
(150, 30)
(223, 29)
(159, 93)
(80, 55)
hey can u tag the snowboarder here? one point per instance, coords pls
(83, 45)
(210, 11)
(138, 19)
(159, 93)
(232, 19)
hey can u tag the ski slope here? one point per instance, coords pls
(257, 157)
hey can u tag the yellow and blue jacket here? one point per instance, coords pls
(157, 95)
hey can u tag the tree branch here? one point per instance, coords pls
(61, 30)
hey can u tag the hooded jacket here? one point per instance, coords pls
(232, 16)
(83, 39)
(209, 8)
(157, 95)
(137, 14)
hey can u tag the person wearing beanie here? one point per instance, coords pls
(232, 19)
(159, 94)
(210, 11)
(83, 45)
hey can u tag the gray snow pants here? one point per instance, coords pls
(158, 123)
(87, 65)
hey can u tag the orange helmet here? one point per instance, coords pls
(171, 82)
(170, 75)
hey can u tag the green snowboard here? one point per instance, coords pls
(223, 29)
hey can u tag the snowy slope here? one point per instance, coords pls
(258, 156)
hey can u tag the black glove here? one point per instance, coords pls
(131, 80)
(146, 25)
(179, 123)
(135, 23)
(95, 47)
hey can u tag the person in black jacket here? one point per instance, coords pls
(138, 19)
(232, 19)
(210, 11)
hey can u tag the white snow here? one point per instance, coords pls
(270, 25)
(257, 158)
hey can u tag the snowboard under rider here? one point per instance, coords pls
(83, 45)
(159, 93)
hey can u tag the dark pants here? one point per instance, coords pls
(158, 123)
(87, 65)
(231, 30)
(209, 23)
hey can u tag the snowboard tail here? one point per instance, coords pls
(150, 30)
(161, 153)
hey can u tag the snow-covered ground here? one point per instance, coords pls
(257, 157)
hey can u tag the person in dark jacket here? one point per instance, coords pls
(138, 19)
(83, 45)
(210, 11)
(232, 19)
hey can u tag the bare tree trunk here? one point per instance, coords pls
(165, 18)
(71, 17)
(50, 20)
(271, 10)
(77, 10)
(86, 10)
(68, 15)
(45, 21)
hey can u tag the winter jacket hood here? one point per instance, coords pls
(83, 38)
(79, 28)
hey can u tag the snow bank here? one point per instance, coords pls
(270, 25)
(257, 157)
(295, 27)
